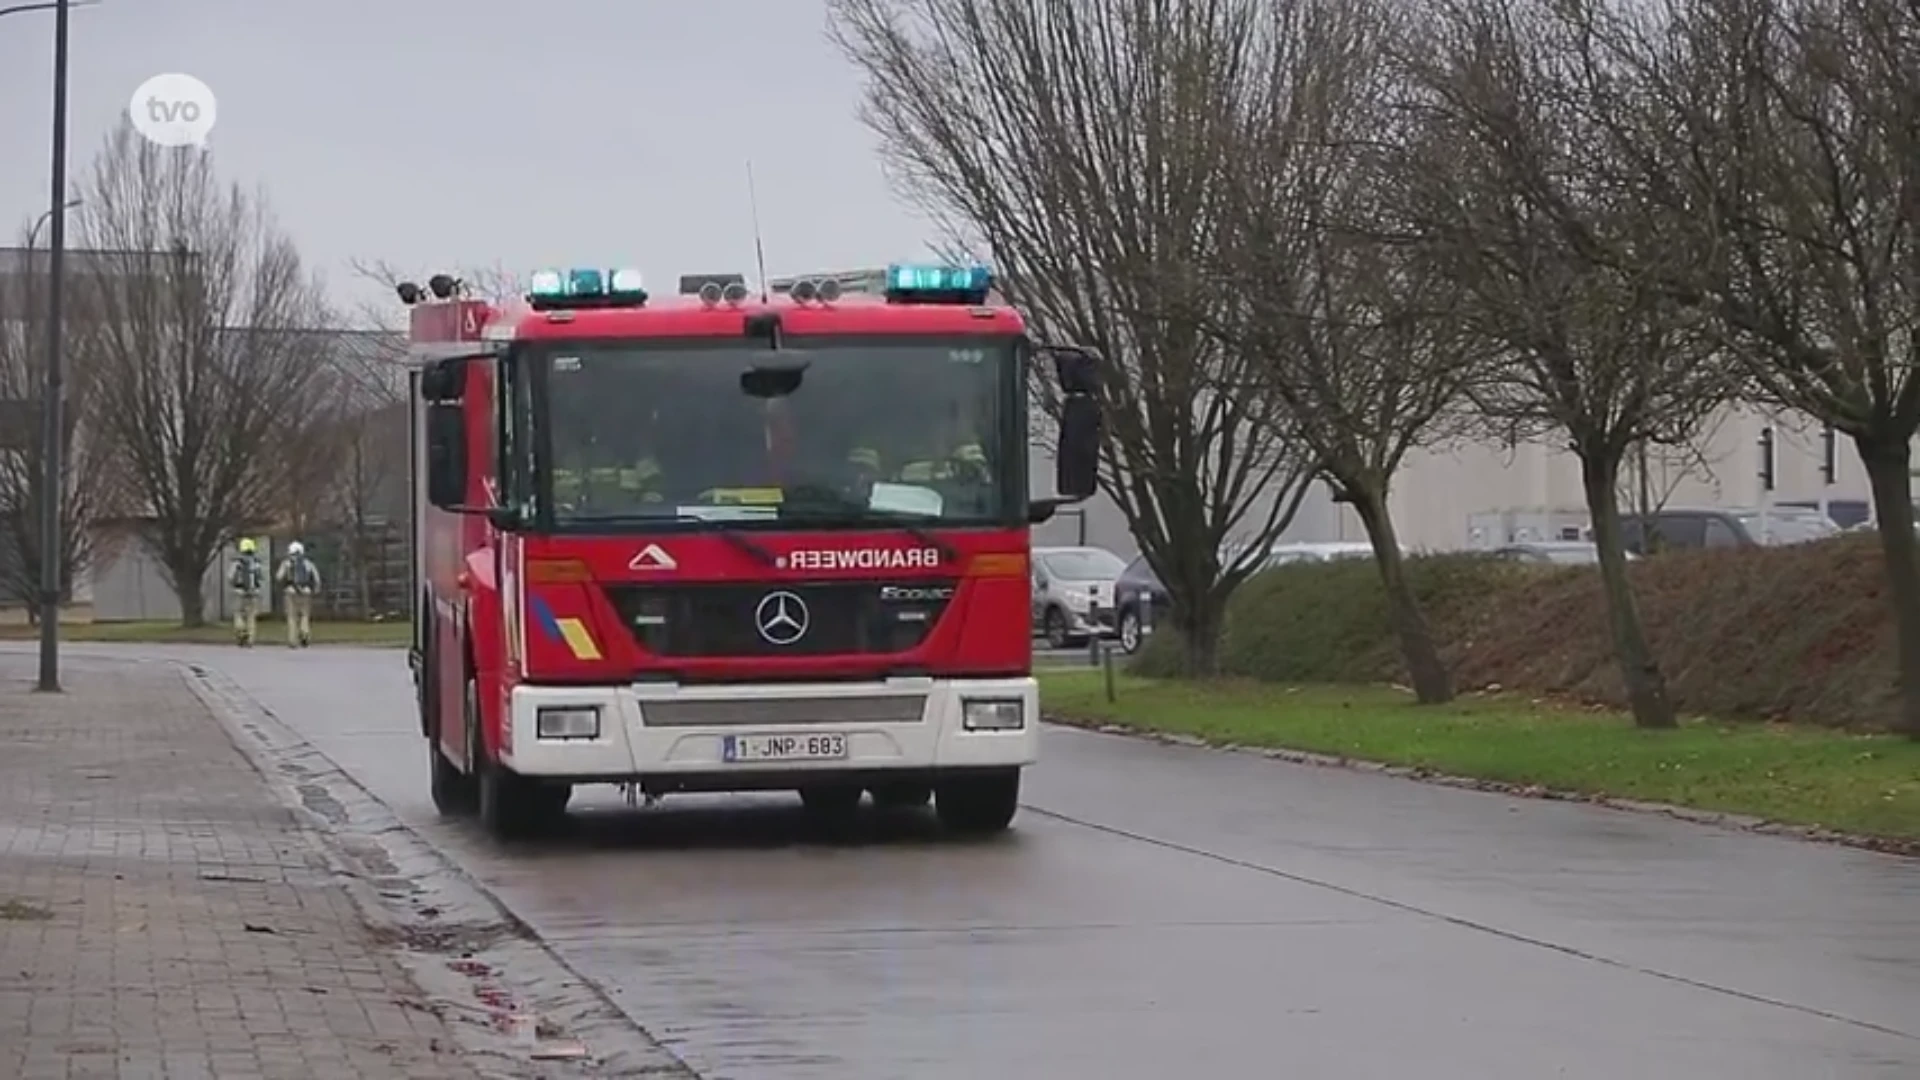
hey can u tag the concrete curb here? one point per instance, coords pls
(1717, 819)
(478, 962)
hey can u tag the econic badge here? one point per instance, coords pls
(173, 110)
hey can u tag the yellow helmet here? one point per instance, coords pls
(971, 454)
(246, 545)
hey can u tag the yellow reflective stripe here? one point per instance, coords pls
(578, 639)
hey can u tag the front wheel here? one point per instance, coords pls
(1129, 632)
(514, 806)
(978, 805)
(1056, 629)
(510, 805)
(455, 794)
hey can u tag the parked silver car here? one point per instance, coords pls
(1564, 552)
(1073, 593)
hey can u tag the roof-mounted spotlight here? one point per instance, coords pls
(710, 293)
(735, 292)
(803, 291)
(829, 291)
(443, 286)
(410, 293)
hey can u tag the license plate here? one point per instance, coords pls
(815, 747)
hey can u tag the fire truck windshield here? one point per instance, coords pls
(878, 431)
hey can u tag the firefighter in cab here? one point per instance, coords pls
(249, 580)
(957, 459)
(299, 580)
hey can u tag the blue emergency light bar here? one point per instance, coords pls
(911, 284)
(554, 290)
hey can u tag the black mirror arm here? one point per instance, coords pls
(1041, 511)
(504, 518)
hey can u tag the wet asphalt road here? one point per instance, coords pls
(1162, 912)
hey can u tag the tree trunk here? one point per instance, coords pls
(1432, 682)
(1646, 686)
(1888, 461)
(190, 588)
(1199, 623)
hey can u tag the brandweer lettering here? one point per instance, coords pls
(865, 559)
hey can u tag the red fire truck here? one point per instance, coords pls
(725, 542)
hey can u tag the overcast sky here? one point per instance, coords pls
(464, 132)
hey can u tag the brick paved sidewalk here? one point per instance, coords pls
(162, 915)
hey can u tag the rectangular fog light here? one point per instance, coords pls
(568, 722)
(1003, 715)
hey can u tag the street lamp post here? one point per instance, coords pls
(45, 5)
(52, 445)
(33, 246)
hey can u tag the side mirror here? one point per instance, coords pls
(1077, 460)
(444, 382)
(446, 456)
(1077, 368)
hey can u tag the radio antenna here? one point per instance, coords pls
(759, 249)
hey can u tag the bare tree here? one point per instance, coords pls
(1655, 472)
(87, 486)
(1516, 198)
(1085, 144)
(1781, 143)
(207, 349)
(1353, 330)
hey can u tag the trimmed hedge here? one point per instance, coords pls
(1789, 633)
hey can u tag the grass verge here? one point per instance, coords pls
(391, 634)
(1861, 785)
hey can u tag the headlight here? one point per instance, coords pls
(1078, 601)
(1005, 715)
(568, 722)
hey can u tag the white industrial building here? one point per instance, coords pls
(1475, 495)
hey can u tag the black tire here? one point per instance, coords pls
(1129, 631)
(455, 794)
(1056, 629)
(978, 805)
(511, 806)
(901, 795)
(831, 800)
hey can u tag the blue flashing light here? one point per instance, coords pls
(585, 287)
(933, 284)
(586, 283)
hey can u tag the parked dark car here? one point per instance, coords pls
(1846, 513)
(1683, 530)
(1139, 589)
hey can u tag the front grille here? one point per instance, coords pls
(812, 619)
(885, 709)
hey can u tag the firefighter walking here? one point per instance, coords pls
(299, 580)
(249, 580)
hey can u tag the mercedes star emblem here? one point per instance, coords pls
(781, 618)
